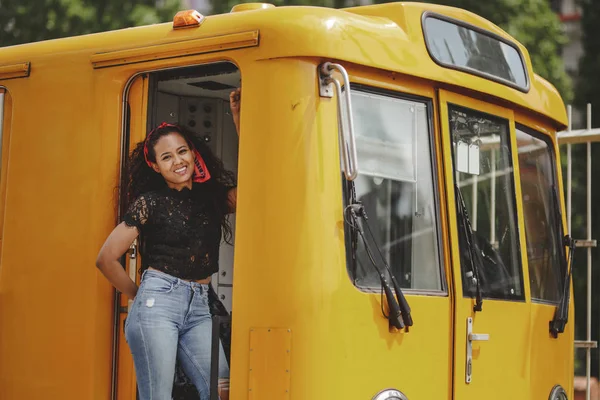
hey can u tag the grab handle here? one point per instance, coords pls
(346, 130)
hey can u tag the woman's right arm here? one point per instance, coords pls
(116, 245)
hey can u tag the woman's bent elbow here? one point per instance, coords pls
(100, 262)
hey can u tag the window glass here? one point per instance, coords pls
(396, 186)
(486, 212)
(542, 215)
(457, 46)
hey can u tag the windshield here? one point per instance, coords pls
(542, 216)
(484, 178)
(396, 186)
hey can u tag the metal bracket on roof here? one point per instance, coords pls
(325, 82)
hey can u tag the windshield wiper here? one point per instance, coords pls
(399, 310)
(561, 315)
(474, 254)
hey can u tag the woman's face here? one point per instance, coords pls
(174, 161)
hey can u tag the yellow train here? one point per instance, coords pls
(398, 235)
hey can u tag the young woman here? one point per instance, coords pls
(179, 195)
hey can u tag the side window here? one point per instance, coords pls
(485, 201)
(542, 215)
(396, 186)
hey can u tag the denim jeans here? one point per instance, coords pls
(170, 319)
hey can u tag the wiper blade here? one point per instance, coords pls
(399, 310)
(404, 307)
(474, 254)
(561, 314)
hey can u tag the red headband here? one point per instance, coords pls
(201, 173)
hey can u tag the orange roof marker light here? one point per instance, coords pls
(251, 6)
(187, 19)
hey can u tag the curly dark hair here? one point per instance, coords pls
(143, 179)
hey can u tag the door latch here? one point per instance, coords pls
(472, 337)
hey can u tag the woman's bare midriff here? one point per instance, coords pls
(204, 281)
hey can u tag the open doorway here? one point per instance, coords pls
(196, 98)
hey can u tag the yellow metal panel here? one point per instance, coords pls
(290, 263)
(270, 366)
(552, 360)
(138, 103)
(56, 317)
(176, 49)
(14, 71)
(7, 349)
(4, 157)
(522, 243)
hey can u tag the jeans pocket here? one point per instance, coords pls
(153, 284)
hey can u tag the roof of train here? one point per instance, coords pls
(386, 36)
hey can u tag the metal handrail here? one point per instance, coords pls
(346, 131)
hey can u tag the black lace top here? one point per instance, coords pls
(180, 232)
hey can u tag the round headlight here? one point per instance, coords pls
(558, 393)
(390, 394)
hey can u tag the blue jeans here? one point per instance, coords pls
(170, 319)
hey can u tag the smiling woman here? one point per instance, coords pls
(179, 194)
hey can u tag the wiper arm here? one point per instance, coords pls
(561, 315)
(404, 307)
(474, 254)
(399, 310)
